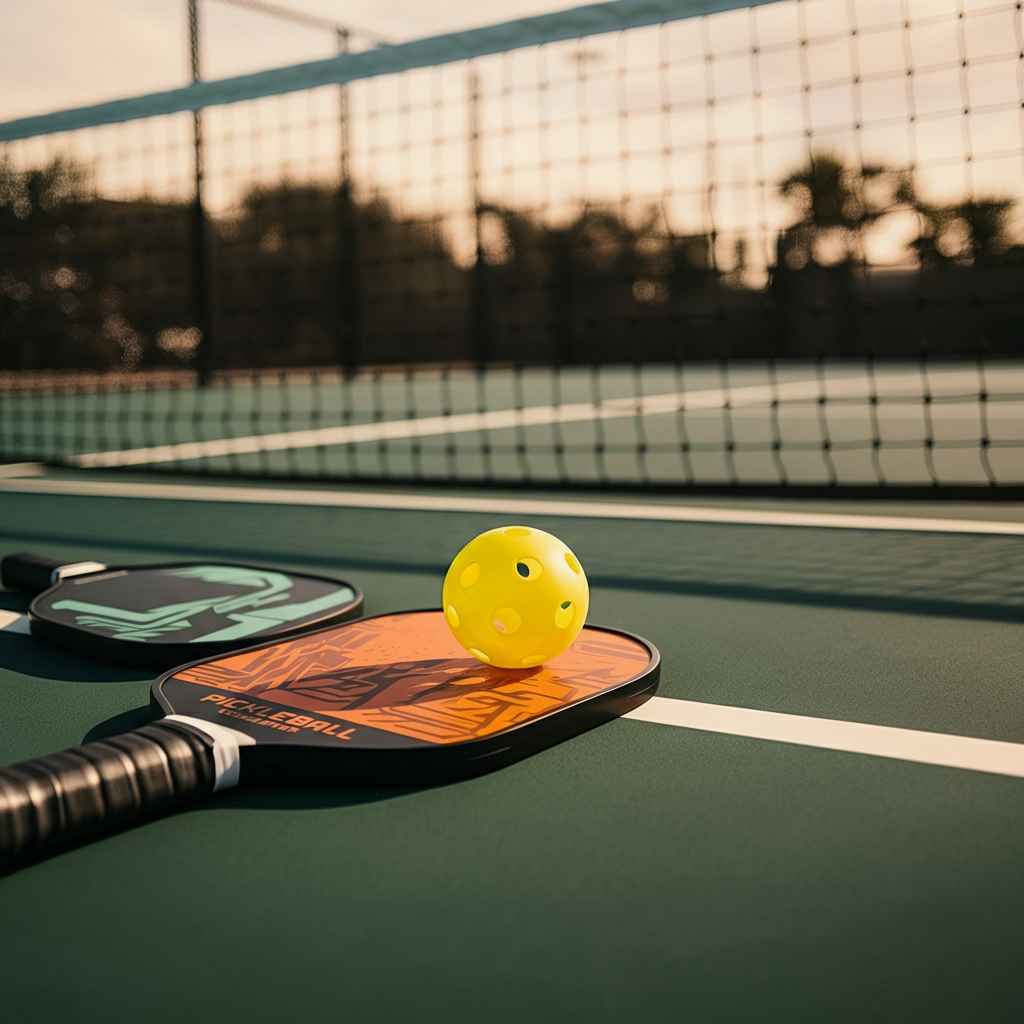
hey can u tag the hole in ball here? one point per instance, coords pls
(570, 560)
(565, 614)
(529, 568)
(507, 620)
(470, 574)
(516, 531)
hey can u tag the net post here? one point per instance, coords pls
(349, 319)
(480, 329)
(198, 227)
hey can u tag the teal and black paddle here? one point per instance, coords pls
(159, 616)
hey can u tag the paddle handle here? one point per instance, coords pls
(64, 798)
(35, 573)
(28, 571)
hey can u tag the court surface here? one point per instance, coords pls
(641, 872)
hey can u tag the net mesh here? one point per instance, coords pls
(777, 246)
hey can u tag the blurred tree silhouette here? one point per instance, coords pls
(967, 294)
(836, 203)
(280, 268)
(306, 275)
(45, 189)
(577, 291)
(85, 281)
(972, 233)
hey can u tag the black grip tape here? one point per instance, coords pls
(30, 572)
(63, 798)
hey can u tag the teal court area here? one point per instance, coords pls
(641, 871)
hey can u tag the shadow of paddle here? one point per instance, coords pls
(31, 657)
(12, 601)
(124, 722)
(28, 656)
(298, 798)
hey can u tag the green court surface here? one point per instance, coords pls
(640, 872)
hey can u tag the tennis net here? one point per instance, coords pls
(650, 243)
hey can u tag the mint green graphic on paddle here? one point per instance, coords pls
(249, 611)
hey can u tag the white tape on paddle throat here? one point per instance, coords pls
(226, 757)
(75, 569)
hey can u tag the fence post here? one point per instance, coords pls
(199, 247)
(349, 310)
(480, 329)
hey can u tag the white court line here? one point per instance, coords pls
(14, 622)
(14, 469)
(505, 506)
(935, 748)
(910, 411)
(898, 385)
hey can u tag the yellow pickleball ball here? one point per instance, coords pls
(515, 597)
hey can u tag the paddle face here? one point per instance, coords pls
(162, 615)
(394, 700)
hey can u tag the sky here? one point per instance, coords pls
(56, 54)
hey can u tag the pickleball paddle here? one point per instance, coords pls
(391, 700)
(157, 616)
